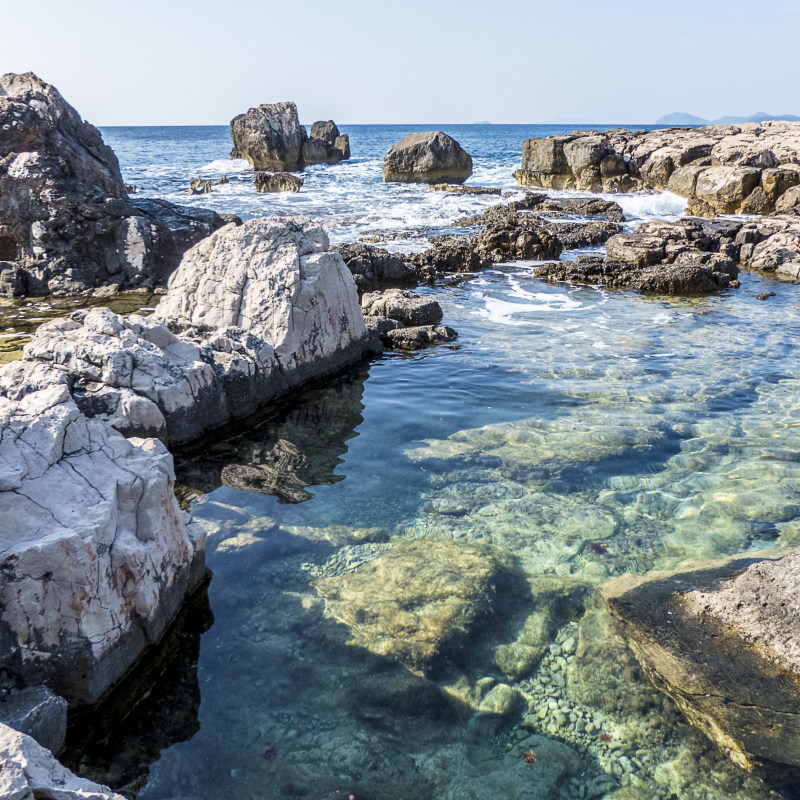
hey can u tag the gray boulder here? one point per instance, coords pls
(270, 137)
(427, 157)
(66, 223)
(403, 306)
(277, 182)
(326, 145)
(375, 268)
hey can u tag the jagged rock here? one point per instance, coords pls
(66, 222)
(456, 189)
(222, 181)
(721, 169)
(270, 137)
(722, 641)
(427, 157)
(771, 244)
(789, 200)
(451, 254)
(375, 268)
(277, 182)
(518, 236)
(28, 771)
(419, 601)
(326, 145)
(417, 337)
(403, 306)
(97, 555)
(39, 713)
(199, 186)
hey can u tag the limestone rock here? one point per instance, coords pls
(326, 145)
(97, 555)
(403, 306)
(270, 137)
(277, 182)
(66, 222)
(199, 186)
(417, 337)
(374, 268)
(28, 771)
(722, 641)
(39, 713)
(719, 168)
(418, 602)
(427, 157)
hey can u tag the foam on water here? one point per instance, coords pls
(664, 205)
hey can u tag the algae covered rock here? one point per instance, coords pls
(418, 602)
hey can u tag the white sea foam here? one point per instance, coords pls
(646, 206)
(225, 166)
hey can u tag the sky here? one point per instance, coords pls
(197, 62)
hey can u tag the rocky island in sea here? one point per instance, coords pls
(498, 487)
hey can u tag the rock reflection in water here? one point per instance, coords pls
(282, 451)
(156, 707)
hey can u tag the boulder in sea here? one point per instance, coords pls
(402, 305)
(722, 640)
(326, 145)
(270, 137)
(427, 157)
(30, 770)
(199, 186)
(277, 182)
(66, 222)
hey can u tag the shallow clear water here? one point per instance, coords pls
(579, 432)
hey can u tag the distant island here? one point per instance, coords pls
(682, 118)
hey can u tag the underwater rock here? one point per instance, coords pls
(721, 640)
(67, 222)
(722, 169)
(30, 771)
(419, 602)
(427, 157)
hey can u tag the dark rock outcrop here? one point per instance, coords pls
(722, 169)
(277, 182)
(66, 223)
(427, 157)
(722, 641)
(375, 268)
(402, 319)
(199, 186)
(326, 145)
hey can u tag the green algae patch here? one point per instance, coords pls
(419, 602)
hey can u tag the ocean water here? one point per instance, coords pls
(580, 433)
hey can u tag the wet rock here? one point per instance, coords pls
(30, 770)
(199, 186)
(270, 137)
(37, 712)
(375, 268)
(419, 602)
(427, 157)
(451, 254)
(277, 182)
(402, 305)
(457, 189)
(67, 222)
(417, 337)
(514, 236)
(789, 200)
(721, 640)
(721, 169)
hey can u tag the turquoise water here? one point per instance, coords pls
(570, 435)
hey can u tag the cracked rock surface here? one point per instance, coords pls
(721, 640)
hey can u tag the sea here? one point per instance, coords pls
(570, 435)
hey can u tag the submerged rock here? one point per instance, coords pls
(66, 222)
(30, 771)
(732, 169)
(277, 182)
(427, 157)
(417, 603)
(722, 641)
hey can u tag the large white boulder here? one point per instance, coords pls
(28, 771)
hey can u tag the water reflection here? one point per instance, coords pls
(283, 450)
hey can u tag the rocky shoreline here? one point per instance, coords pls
(101, 557)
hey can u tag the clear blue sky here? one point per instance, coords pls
(173, 62)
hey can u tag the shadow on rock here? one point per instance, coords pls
(283, 449)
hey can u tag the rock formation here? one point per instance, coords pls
(271, 138)
(28, 771)
(66, 222)
(374, 268)
(722, 641)
(277, 182)
(427, 157)
(722, 169)
(405, 320)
